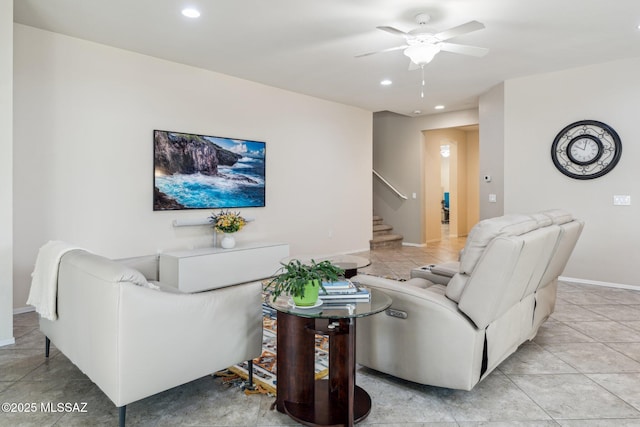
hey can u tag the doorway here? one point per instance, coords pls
(451, 171)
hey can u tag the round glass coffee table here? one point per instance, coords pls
(337, 400)
(349, 263)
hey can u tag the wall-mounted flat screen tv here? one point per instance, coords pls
(206, 172)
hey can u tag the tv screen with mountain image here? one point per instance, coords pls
(207, 172)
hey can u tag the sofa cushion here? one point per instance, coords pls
(487, 230)
(542, 219)
(133, 276)
(456, 286)
(147, 265)
(558, 216)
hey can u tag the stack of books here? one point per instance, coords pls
(343, 292)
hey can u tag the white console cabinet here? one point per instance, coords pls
(210, 268)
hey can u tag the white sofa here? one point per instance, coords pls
(134, 340)
(453, 335)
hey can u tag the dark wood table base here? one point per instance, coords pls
(323, 412)
(333, 402)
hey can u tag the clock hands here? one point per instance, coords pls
(584, 145)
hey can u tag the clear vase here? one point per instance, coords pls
(228, 241)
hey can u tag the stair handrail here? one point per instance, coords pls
(394, 189)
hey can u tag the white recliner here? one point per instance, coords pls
(454, 334)
(134, 340)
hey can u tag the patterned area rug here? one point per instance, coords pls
(264, 367)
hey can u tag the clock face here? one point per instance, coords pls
(586, 149)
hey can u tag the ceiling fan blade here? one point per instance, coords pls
(395, 31)
(464, 49)
(459, 30)
(391, 49)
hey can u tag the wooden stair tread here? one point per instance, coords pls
(387, 238)
(382, 237)
(382, 227)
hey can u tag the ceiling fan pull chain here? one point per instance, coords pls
(422, 90)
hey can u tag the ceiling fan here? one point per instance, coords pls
(423, 45)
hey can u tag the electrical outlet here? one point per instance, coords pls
(493, 198)
(622, 200)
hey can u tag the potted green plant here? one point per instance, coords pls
(303, 281)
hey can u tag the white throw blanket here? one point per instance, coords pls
(44, 282)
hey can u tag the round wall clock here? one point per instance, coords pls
(586, 149)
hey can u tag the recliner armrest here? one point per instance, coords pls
(437, 273)
(422, 337)
(415, 288)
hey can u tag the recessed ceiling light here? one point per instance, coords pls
(439, 107)
(386, 82)
(191, 13)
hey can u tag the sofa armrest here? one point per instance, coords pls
(434, 344)
(417, 294)
(167, 339)
(437, 273)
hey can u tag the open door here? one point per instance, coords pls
(451, 172)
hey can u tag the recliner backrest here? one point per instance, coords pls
(481, 236)
(503, 275)
(571, 230)
(504, 261)
(487, 230)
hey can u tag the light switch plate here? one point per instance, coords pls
(493, 198)
(622, 200)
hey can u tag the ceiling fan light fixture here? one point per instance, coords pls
(422, 54)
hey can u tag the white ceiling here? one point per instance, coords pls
(308, 46)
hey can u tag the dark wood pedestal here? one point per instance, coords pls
(335, 401)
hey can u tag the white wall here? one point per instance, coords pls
(6, 171)
(399, 153)
(491, 111)
(444, 174)
(536, 109)
(84, 117)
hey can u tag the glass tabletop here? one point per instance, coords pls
(378, 302)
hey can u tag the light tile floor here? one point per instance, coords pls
(583, 369)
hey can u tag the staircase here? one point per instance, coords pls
(382, 236)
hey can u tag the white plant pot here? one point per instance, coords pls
(228, 241)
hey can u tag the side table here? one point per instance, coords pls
(337, 400)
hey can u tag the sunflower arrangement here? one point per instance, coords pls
(227, 221)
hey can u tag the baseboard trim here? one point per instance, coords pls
(598, 283)
(8, 341)
(414, 245)
(26, 309)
